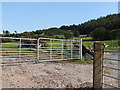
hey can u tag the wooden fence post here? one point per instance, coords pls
(98, 66)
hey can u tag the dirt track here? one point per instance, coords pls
(50, 75)
(46, 75)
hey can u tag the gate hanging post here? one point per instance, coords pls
(98, 66)
(20, 48)
(38, 48)
(80, 48)
(50, 49)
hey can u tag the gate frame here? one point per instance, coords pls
(80, 47)
(37, 48)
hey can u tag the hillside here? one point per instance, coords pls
(110, 23)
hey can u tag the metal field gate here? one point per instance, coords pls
(26, 50)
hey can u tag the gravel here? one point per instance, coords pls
(51, 75)
(46, 75)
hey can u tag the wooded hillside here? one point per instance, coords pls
(110, 25)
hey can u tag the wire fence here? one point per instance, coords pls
(106, 67)
(112, 64)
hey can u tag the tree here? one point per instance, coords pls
(4, 32)
(15, 32)
(76, 33)
(100, 34)
(68, 35)
(7, 32)
(114, 33)
(118, 38)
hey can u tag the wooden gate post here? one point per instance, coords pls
(98, 66)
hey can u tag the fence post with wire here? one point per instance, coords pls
(98, 65)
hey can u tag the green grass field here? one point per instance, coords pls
(86, 41)
(112, 44)
(59, 36)
(9, 46)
